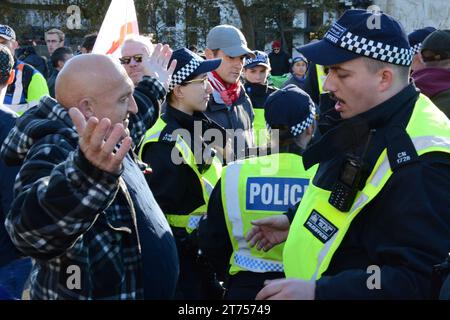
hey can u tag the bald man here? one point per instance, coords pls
(83, 209)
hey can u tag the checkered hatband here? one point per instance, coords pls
(376, 50)
(183, 73)
(416, 48)
(300, 127)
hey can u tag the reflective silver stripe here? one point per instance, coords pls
(250, 263)
(194, 221)
(420, 143)
(154, 136)
(381, 171)
(185, 148)
(208, 186)
(18, 88)
(233, 209)
(18, 108)
(362, 199)
(425, 142)
(322, 254)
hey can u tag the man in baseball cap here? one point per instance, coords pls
(230, 107)
(415, 39)
(356, 212)
(434, 79)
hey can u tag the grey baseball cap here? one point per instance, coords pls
(229, 39)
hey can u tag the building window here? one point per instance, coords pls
(214, 15)
(170, 16)
(315, 18)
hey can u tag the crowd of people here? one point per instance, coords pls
(230, 174)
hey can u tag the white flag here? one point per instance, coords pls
(120, 20)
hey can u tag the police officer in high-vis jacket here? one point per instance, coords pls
(256, 188)
(183, 171)
(375, 218)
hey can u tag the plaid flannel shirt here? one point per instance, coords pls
(71, 217)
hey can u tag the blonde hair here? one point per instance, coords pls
(60, 34)
(145, 41)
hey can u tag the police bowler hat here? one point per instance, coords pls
(190, 65)
(361, 33)
(291, 107)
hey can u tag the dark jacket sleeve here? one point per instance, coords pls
(149, 94)
(7, 177)
(59, 196)
(405, 232)
(214, 239)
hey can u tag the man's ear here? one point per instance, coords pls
(11, 77)
(60, 64)
(209, 54)
(387, 79)
(85, 107)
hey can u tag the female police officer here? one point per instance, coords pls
(182, 177)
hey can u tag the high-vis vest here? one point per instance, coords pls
(256, 188)
(318, 228)
(207, 179)
(321, 77)
(259, 128)
(28, 88)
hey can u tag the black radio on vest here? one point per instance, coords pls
(351, 179)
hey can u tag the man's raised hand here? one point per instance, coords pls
(157, 65)
(96, 146)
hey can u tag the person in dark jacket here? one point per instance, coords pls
(415, 39)
(88, 43)
(279, 60)
(181, 188)
(434, 79)
(14, 271)
(59, 57)
(229, 106)
(389, 154)
(299, 68)
(27, 53)
(83, 209)
(256, 73)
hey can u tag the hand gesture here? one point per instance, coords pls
(156, 65)
(268, 232)
(95, 143)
